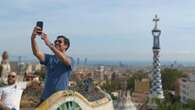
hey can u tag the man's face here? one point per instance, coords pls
(11, 79)
(59, 44)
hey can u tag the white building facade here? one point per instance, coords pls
(187, 89)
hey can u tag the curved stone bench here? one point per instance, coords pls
(58, 100)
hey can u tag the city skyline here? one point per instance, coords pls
(102, 30)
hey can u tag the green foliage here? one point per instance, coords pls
(108, 86)
(169, 76)
(191, 104)
(113, 85)
(131, 83)
(139, 75)
(167, 105)
(161, 105)
(113, 97)
(173, 103)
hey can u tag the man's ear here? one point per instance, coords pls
(65, 46)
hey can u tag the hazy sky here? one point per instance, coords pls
(102, 29)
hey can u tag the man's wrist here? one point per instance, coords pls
(33, 36)
(49, 44)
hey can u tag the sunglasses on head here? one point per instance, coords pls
(58, 41)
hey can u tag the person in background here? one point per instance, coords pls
(28, 76)
(5, 67)
(10, 95)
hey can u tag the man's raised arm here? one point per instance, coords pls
(35, 47)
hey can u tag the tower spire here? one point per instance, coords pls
(156, 33)
(156, 19)
(156, 90)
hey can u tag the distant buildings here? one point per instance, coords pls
(85, 61)
(82, 62)
(78, 61)
(101, 72)
(142, 89)
(29, 68)
(187, 89)
(142, 86)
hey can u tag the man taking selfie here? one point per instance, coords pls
(59, 65)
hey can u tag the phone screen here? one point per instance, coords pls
(40, 24)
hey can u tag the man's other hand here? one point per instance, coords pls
(44, 37)
(35, 30)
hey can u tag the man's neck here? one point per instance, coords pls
(11, 84)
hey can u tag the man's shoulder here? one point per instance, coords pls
(2, 88)
(2, 84)
(6, 87)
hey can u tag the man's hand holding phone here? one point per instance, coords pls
(37, 29)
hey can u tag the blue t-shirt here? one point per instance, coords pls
(57, 76)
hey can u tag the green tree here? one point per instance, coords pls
(138, 75)
(191, 104)
(131, 83)
(169, 76)
(167, 105)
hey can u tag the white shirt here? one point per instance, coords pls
(11, 95)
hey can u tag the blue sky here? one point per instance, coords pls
(102, 29)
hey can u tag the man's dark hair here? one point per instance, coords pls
(66, 41)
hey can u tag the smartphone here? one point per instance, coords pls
(40, 24)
